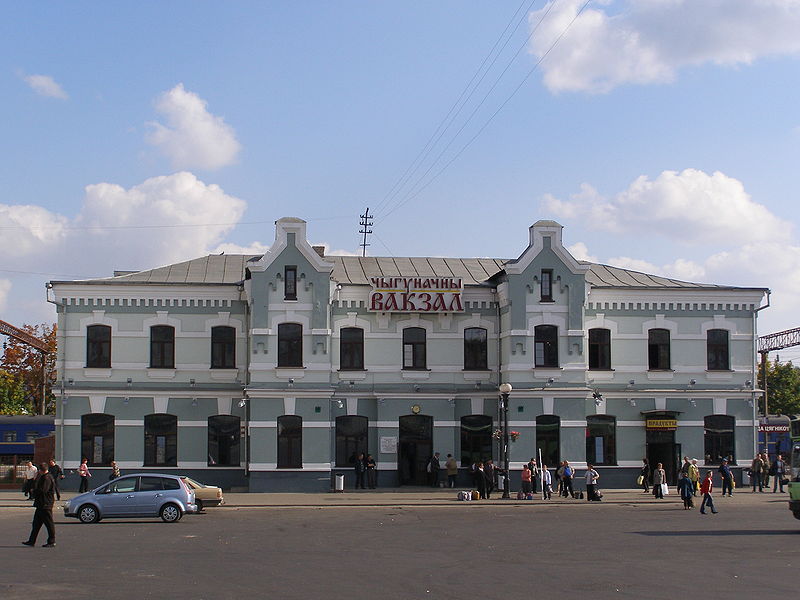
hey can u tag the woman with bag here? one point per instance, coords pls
(659, 478)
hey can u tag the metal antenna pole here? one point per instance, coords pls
(365, 223)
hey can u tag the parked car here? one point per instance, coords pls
(204, 495)
(140, 495)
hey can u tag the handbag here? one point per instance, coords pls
(640, 480)
(665, 489)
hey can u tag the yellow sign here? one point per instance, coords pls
(661, 423)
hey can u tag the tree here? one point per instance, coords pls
(24, 363)
(783, 387)
(12, 395)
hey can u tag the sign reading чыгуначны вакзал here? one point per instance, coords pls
(416, 294)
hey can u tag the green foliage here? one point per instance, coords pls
(12, 395)
(783, 387)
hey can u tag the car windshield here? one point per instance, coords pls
(192, 482)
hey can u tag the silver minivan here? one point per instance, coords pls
(139, 495)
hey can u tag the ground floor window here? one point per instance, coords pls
(223, 441)
(290, 442)
(548, 439)
(351, 439)
(601, 440)
(160, 440)
(476, 439)
(97, 439)
(719, 439)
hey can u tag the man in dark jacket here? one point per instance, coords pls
(433, 470)
(360, 467)
(57, 474)
(43, 500)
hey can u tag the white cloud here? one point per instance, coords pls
(26, 228)
(619, 42)
(44, 85)
(329, 252)
(690, 206)
(580, 252)
(5, 288)
(192, 137)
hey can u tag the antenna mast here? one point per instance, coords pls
(365, 223)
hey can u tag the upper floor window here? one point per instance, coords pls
(717, 350)
(351, 348)
(162, 347)
(414, 348)
(545, 346)
(290, 345)
(290, 283)
(547, 285)
(98, 346)
(223, 347)
(475, 349)
(599, 349)
(658, 349)
(160, 440)
(290, 442)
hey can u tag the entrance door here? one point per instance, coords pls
(661, 448)
(416, 447)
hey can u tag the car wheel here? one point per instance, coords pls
(199, 505)
(88, 514)
(170, 513)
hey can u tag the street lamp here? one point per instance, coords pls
(505, 390)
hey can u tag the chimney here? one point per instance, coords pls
(319, 250)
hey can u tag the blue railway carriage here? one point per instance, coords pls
(774, 437)
(17, 442)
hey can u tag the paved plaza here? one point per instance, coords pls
(409, 545)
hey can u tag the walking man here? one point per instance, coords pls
(779, 470)
(727, 478)
(705, 489)
(452, 470)
(31, 473)
(43, 500)
(57, 474)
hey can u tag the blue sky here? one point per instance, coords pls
(661, 133)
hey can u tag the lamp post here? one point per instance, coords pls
(505, 390)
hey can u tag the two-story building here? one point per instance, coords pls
(272, 372)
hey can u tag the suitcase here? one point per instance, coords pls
(529, 497)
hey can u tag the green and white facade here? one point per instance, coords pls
(269, 372)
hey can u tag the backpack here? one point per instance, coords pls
(567, 471)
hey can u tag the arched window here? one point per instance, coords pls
(162, 347)
(719, 439)
(290, 442)
(717, 350)
(545, 346)
(351, 439)
(548, 439)
(223, 347)
(351, 349)
(290, 345)
(160, 440)
(98, 347)
(476, 439)
(223, 441)
(600, 349)
(476, 353)
(601, 440)
(658, 350)
(414, 348)
(97, 439)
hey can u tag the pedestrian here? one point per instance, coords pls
(591, 484)
(433, 470)
(360, 468)
(452, 471)
(526, 480)
(727, 478)
(372, 472)
(57, 473)
(766, 467)
(779, 472)
(547, 483)
(481, 481)
(659, 479)
(534, 475)
(560, 479)
(491, 476)
(566, 478)
(686, 491)
(685, 467)
(85, 474)
(644, 476)
(694, 476)
(705, 489)
(756, 467)
(43, 500)
(115, 472)
(31, 473)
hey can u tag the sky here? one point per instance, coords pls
(661, 134)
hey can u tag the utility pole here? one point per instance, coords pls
(365, 223)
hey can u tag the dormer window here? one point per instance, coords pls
(290, 283)
(547, 285)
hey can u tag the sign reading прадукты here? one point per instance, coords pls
(416, 294)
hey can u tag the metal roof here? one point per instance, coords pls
(228, 269)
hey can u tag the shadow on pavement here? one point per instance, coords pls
(720, 533)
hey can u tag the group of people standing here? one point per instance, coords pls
(365, 468)
(761, 469)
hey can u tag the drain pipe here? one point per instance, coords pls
(754, 380)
